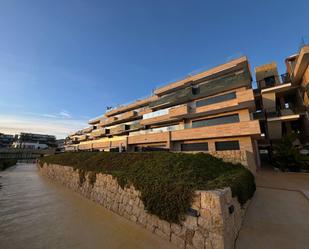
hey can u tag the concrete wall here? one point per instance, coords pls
(216, 227)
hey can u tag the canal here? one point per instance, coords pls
(37, 213)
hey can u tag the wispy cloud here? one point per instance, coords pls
(45, 124)
(65, 114)
(49, 115)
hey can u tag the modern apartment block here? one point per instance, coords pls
(6, 140)
(34, 141)
(207, 112)
(282, 101)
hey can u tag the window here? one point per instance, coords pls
(195, 147)
(227, 145)
(270, 81)
(216, 99)
(195, 90)
(216, 121)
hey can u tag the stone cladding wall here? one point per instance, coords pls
(216, 227)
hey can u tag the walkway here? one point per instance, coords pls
(278, 216)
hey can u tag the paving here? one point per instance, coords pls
(278, 216)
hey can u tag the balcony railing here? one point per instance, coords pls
(258, 115)
(157, 130)
(290, 109)
(285, 78)
(277, 80)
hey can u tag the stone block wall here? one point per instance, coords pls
(232, 156)
(216, 226)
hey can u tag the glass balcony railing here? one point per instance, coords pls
(156, 113)
(157, 130)
(285, 78)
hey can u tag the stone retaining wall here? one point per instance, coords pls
(216, 227)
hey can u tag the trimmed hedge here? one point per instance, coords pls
(6, 163)
(166, 180)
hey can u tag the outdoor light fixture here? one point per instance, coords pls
(193, 212)
(231, 209)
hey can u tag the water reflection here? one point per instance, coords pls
(36, 213)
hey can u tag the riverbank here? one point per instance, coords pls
(6, 163)
(214, 221)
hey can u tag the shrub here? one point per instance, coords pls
(288, 156)
(166, 180)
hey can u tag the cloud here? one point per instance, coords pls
(49, 115)
(65, 114)
(60, 127)
(61, 115)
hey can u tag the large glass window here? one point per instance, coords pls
(227, 145)
(216, 99)
(195, 147)
(216, 121)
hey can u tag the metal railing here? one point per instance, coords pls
(285, 78)
(278, 80)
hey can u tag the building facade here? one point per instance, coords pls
(282, 101)
(34, 141)
(208, 112)
(6, 140)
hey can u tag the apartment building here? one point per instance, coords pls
(282, 101)
(208, 112)
(34, 141)
(6, 140)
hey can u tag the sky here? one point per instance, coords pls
(63, 62)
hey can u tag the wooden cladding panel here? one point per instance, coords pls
(226, 130)
(100, 145)
(148, 138)
(179, 111)
(155, 120)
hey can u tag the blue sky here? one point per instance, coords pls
(63, 62)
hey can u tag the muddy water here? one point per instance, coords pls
(37, 213)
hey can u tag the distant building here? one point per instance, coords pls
(60, 144)
(34, 141)
(6, 140)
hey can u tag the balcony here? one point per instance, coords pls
(157, 130)
(275, 80)
(179, 111)
(119, 129)
(245, 128)
(82, 138)
(258, 115)
(87, 130)
(156, 117)
(135, 126)
(98, 132)
(128, 115)
(284, 114)
(179, 133)
(207, 88)
(108, 121)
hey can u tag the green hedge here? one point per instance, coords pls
(166, 180)
(5, 163)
